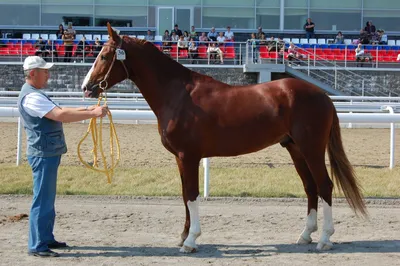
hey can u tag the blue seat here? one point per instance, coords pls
(333, 46)
(341, 46)
(306, 46)
(324, 46)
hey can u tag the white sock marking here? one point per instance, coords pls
(194, 230)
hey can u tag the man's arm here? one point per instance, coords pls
(76, 114)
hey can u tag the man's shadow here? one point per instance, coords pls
(234, 251)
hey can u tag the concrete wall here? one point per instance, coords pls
(70, 77)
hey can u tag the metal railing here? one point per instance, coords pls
(333, 73)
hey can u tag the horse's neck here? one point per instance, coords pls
(160, 81)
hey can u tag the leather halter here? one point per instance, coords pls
(104, 81)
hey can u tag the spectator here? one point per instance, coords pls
(262, 39)
(193, 53)
(203, 38)
(182, 44)
(229, 36)
(254, 47)
(82, 49)
(212, 35)
(339, 38)
(309, 27)
(149, 36)
(166, 45)
(40, 47)
(260, 33)
(369, 28)
(96, 47)
(364, 39)
(174, 37)
(383, 39)
(193, 33)
(221, 38)
(177, 31)
(213, 51)
(186, 35)
(51, 50)
(60, 31)
(361, 56)
(68, 38)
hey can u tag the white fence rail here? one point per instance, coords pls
(149, 115)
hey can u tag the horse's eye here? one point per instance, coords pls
(103, 57)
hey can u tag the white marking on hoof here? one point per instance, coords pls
(189, 245)
(186, 249)
(303, 241)
(327, 230)
(311, 226)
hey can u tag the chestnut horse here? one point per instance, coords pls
(199, 117)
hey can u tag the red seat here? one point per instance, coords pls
(183, 54)
(3, 51)
(263, 52)
(174, 51)
(229, 52)
(202, 50)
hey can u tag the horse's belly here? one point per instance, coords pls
(236, 142)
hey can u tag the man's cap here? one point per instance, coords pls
(32, 62)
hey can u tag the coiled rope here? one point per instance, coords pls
(97, 138)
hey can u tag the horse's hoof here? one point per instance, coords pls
(324, 246)
(180, 243)
(186, 249)
(303, 241)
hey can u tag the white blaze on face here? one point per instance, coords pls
(89, 74)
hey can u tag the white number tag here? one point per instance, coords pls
(120, 54)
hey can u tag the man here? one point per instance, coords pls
(212, 35)
(177, 31)
(45, 145)
(259, 33)
(309, 27)
(229, 36)
(149, 36)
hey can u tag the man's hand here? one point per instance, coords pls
(100, 111)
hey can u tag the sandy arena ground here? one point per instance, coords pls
(144, 231)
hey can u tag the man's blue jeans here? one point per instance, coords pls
(42, 214)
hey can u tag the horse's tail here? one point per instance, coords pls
(342, 171)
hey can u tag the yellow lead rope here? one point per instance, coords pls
(97, 137)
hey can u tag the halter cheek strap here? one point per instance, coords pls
(104, 84)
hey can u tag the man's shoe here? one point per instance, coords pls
(46, 253)
(57, 244)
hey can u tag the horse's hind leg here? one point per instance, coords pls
(311, 190)
(316, 163)
(189, 169)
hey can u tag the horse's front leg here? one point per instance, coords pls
(190, 188)
(186, 227)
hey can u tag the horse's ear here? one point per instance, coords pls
(111, 32)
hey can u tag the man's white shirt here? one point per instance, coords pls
(37, 105)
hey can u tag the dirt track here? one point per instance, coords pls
(127, 231)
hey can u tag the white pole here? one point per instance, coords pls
(19, 141)
(206, 165)
(392, 138)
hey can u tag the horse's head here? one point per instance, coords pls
(109, 67)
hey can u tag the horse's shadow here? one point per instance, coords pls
(234, 251)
